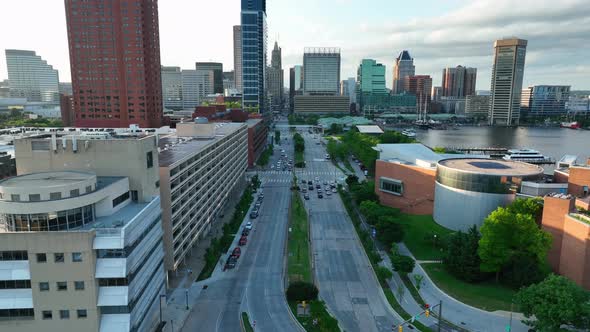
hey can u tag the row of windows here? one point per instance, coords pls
(61, 286)
(122, 253)
(391, 186)
(15, 255)
(53, 221)
(122, 198)
(64, 314)
(15, 284)
(7, 314)
(59, 257)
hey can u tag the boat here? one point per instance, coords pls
(571, 125)
(422, 123)
(527, 156)
(409, 133)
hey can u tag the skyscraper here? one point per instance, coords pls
(421, 87)
(295, 84)
(275, 81)
(459, 81)
(321, 68)
(172, 88)
(254, 36)
(238, 56)
(31, 77)
(217, 69)
(545, 100)
(115, 62)
(402, 68)
(507, 75)
(370, 80)
(196, 85)
(348, 88)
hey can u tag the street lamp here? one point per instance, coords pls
(186, 293)
(161, 296)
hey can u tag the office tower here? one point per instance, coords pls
(459, 81)
(437, 92)
(321, 66)
(477, 106)
(254, 38)
(295, 84)
(370, 78)
(275, 81)
(348, 88)
(238, 56)
(201, 165)
(196, 85)
(421, 87)
(217, 69)
(82, 227)
(115, 62)
(4, 89)
(172, 88)
(31, 77)
(545, 100)
(66, 108)
(229, 81)
(65, 88)
(402, 68)
(507, 75)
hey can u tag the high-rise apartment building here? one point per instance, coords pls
(238, 56)
(507, 76)
(477, 106)
(115, 62)
(196, 85)
(545, 100)
(321, 66)
(31, 77)
(172, 88)
(370, 79)
(254, 39)
(217, 69)
(295, 84)
(348, 88)
(458, 81)
(403, 67)
(421, 87)
(275, 81)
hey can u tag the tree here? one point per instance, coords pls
(505, 234)
(277, 137)
(531, 206)
(389, 231)
(383, 274)
(302, 291)
(402, 264)
(364, 191)
(391, 137)
(554, 302)
(371, 210)
(461, 258)
(523, 270)
(335, 128)
(352, 179)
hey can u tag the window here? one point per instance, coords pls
(41, 258)
(16, 255)
(150, 159)
(64, 314)
(56, 195)
(15, 284)
(82, 313)
(79, 285)
(74, 192)
(76, 257)
(122, 198)
(58, 257)
(62, 285)
(15, 197)
(47, 314)
(34, 197)
(391, 186)
(43, 286)
(134, 195)
(88, 189)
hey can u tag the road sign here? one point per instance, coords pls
(373, 232)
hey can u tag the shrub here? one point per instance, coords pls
(302, 291)
(402, 264)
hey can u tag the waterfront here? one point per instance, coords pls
(552, 142)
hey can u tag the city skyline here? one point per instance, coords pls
(429, 30)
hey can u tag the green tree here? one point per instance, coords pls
(391, 137)
(383, 274)
(277, 136)
(389, 231)
(364, 191)
(335, 128)
(505, 234)
(352, 180)
(302, 291)
(531, 206)
(371, 210)
(554, 302)
(461, 258)
(402, 264)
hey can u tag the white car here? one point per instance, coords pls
(249, 225)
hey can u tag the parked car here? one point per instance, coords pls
(303, 181)
(320, 195)
(243, 241)
(254, 214)
(328, 192)
(310, 188)
(245, 232)
(231, 262)
(309, 183)
(306, 197)
(334, 190)
(257, 205)
(304, 190)
(318, 186)
(249, 225)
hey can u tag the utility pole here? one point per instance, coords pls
(439, 314)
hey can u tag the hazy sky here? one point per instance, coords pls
(437, 33)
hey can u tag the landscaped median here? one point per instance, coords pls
(299, 146)
(301, 287)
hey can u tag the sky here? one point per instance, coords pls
(438, 34)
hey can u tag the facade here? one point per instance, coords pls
(200, 167)
(402, 68)
(452, 105)
(477, 106)
(229, 82)
(172, 88)
(217, 69)
(322, 104)
(275, 82)
(379, 103)
(65, 88)
(196, 85)
(458, 81)
(468, 190)
(321, 66)
(348, 88)
(116, 83)
(437, 93)
(66, 106)
(238, 56)
(31, 77)
(295, 84)
(370, 80)
(257, 136)
(507, 76)
(4, 89)
(545, 100)
(254, 39)
(578, 104)
(421, 87)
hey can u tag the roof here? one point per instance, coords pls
(404, 55)
(345, 121)
(492, 167)
(416, 154)
(47, 179)
(253, 122)
(370, 129)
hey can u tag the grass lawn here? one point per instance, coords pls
(419, 236)
(317, 309)
(299, 157)
(298, 264)
(246, 321)
(485, 295)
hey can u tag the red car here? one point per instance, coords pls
(237, 252)
(243, 241)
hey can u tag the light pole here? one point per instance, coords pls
(161, 296)
(186, 293)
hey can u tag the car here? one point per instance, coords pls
(327, 156)
(245, 232)
(243, 241)
(319, 190)
(318, 186)
(261, 196)
(306, 197)
(303, 181)
(317, 143)
(325, 183)
(304, 190)
(272, 166)
(310, 188)
(237, 252)
(320, 195)
(309, 183)
(334, 190)
(257, 205)
(231, 262)
(249, 225)
(317, 178)
(328, 192)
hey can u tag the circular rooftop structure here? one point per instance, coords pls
(496, 167)
(45, 186)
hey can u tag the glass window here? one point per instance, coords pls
(150, 159)
(58, 257)
(391, 186)
(56, 195)
(76, 257)
(88, 189)
(15, 197)
(82, 313)
(43, 286)
(41, 258)
(47, 314)
(79, 285)
(74, 192)
(64, 314)
(34, 197)
(62, 285)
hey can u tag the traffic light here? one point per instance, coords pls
(400, 329)
(427, 313)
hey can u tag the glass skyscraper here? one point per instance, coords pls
(254, 39)
(31, 77)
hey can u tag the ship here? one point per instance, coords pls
(571, 125)
(527, 156)
(409, 133)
